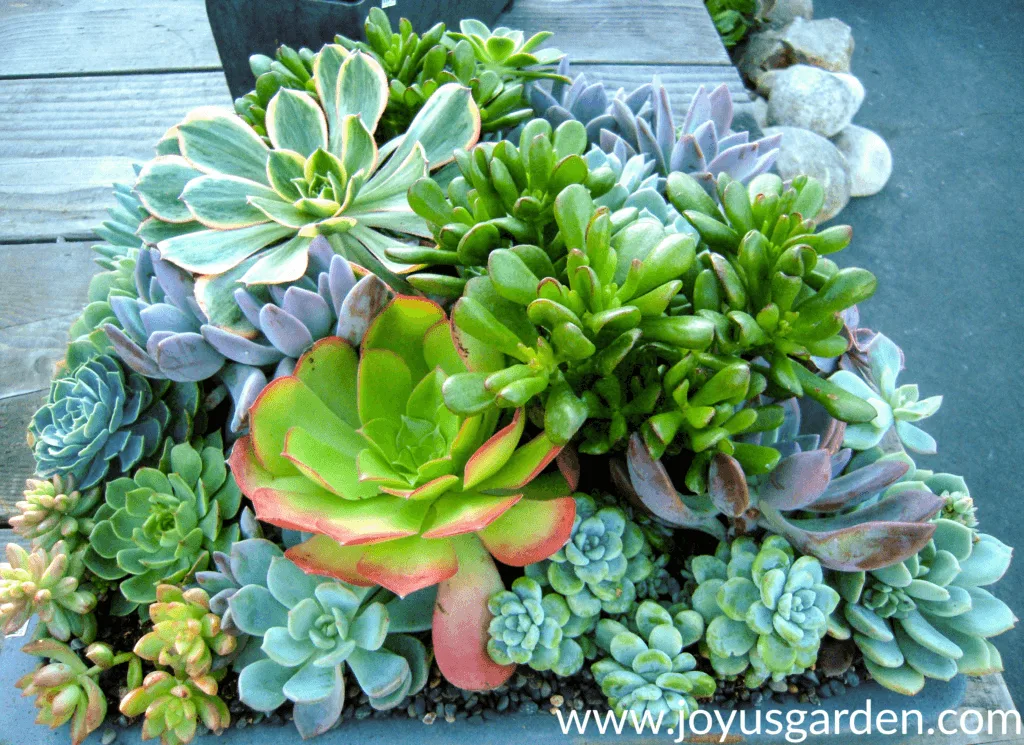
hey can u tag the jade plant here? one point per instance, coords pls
(47, 583)
(54, 510)
(358, 448)
(161, 524)
(173, 707)
(648, 671)
(598, 568)
(929, 616)
(310, 629)
(528, 629)
(186, 636)
(241, 210)
(67, 689)
(101, 420)
(897, 408)
(505, 196)
(766, 609)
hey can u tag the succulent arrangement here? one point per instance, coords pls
(428, 354)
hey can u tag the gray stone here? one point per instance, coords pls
(764, 51)
(853, 83)
(805, 152)
(765, 81)
(785, 11)
(761, 112)
(827, 43)
(806, 97)
(868, 159)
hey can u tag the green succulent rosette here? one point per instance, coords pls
(648, 671)
(527, 629)
(598, 567)
(161, 525)
(766, 609)
(311, 629)
(929, 616)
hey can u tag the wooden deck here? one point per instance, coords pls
(88, 86)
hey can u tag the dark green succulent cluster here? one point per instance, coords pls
(496, 65)
(765, 284)
(504, 197)
(162, 524)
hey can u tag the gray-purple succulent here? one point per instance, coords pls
(588, 102)
(840, 512)
(159, 334)
(330, 300)
(703, 146)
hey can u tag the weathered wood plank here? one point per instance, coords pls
(67, 140)
(44, 281)
(34, 333)
(9, 536)
(681, 81)
(624, 31)
(74, 37)
(16, 461)
(177, 35)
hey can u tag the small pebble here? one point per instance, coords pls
(109, 735)
(529, 707)
(363, 712)
(557, 700)
(429, 717)
(779, 686)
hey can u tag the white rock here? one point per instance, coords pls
(853, 83)
(868, 157)
(764, 51)
(761, 112)
(764, 82)
(827, 43)
(805, 152)
(809, 98)
(786, 10)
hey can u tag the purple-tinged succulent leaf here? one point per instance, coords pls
(131, 353)
(656, 493)
(707, 138)
(736, 138)
(364, 303)
(727, 485)
(187, 357)
(798, 481)
(240, 349)
(856, 487)
(840, 461)
(285, 331)
(687, 155)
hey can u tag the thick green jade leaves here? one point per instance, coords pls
(359, 449)
(227, 196)
(766, 284)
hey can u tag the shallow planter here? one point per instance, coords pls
(537, 729)
(245, 27)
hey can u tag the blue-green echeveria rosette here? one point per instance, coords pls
(898, 407)
(101, 420)
(527, 629)
(162, 524)
(648, 671)
(312, 629)
(766, 609)
(596, 570)
(929, 616)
